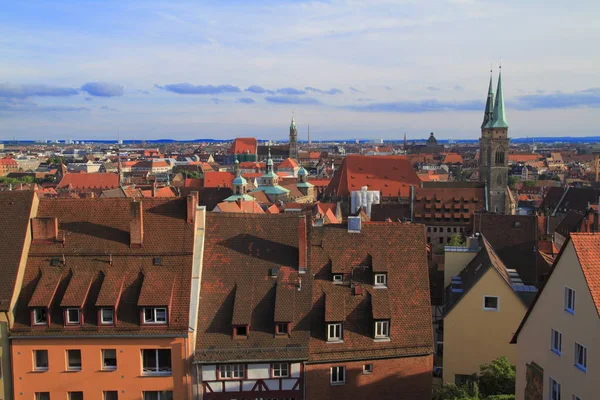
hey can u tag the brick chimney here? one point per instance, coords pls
(302, 245)
(44, 229)
(192, 202)
(136, 225)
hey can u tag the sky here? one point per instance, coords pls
(369, 69)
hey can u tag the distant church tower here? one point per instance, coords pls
(293, 140)
(493, 149)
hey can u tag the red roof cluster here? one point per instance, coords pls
(244, 146)
(89, 181)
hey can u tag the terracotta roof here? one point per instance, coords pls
(77, 290)
(391, 175)
(8, 161)
(213, 179)
(453, 158)
(319, 182)
(157, 288)
(587, 248)
(244, 145)
(15, 210)
(523, 157)
(288, 163)
(151, 164)
(240, 207)
(89, 181)
(455, 203)
(161, 192)
(195, 183)
(273, 209)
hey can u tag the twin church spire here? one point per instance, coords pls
(494, 115)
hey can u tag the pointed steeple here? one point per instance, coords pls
(489, 106)
(499, 114)
(269, 162)
(293, 124)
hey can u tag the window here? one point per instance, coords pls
(232, 371)
(74, 360)
(40, 316)
(334, 332)
(441, 240)
(367, 369)
(155, 315)
(156, 361)
(40, 360)
(111, 395)
(42, 396)
(380, 279)
(554, 390)
(435, 229)
(163, 395)
(338, 278)
(428, 239)
(281, 328)
(241, 331)
(428, 229)
(107, 316)
(75, 395)
(569, 300)
(556, 343)
(73, 316)
(281, 370)
(580, 357)
(109, 359)
(382, 329)
(490, 303)
(338, 375)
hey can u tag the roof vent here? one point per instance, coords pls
(354, 224)
(273, 272)
(157, 261)
(358, 291)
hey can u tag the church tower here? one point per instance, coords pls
(293, 140)
(493, 149)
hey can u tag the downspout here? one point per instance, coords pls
(485, 192)
(412, 202)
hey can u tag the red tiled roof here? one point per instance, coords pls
(453, 158)
(213, 179)
(288, 163)
(240, 207)
(89, 181)
(273, 209)
(77, 291)
(319, 182)
(8, 161)
(587, 248)
(244, 145)
(391, 175)
(523, 157)
(252, 165)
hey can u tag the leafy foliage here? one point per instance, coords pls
(497, 377)
(456, 240)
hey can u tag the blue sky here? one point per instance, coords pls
(349, 68)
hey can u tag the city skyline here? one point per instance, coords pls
(370, 70)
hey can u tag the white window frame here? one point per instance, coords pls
(497, 308)
(383, 282)
(281, 370)
(382, 329)
(157, 370)
(160, 394)
(556, 335)
(109, 367)
(69, 320)
(335, 332)
(104, 321)
(367, 369)
(35, 366)
(36, 312)
(551, 388)
(338, 278)
(337, 375)
(579, 347)
(155, 311)
(569, 300)
(232, 371)
(74, 368)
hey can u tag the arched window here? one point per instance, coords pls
(500, 157)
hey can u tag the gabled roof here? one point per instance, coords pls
(240, 207)
(563, 199)
(98, 180)
(243, 146)
(288, 163)
(213, 179)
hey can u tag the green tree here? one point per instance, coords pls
(529, 183)
(497, 377)
(55, 160)
(512, 180)
(456, 240)
(450, 391)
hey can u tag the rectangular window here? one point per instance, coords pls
(569, 300)
(382, 329)
(156, 361)
(75, 395)
(73, 316)
(338, 278)
(241, 331)
(490, 303)
(580, 357)
(162, 395)
(40, 316)
(441, 240)
(554, 390)
(42, 396)
(281, 370)
(232, 371)
(334, 332)
(111, 395)
(155, 315)
(40, 360)
(107, 316)
(338, 375)
(556, 342)
(380, 280)
(367, 369)
(282, 328)
(74, 360)
(109, 359)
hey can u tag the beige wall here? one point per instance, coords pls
(473, 336)
(456, 261)
(583, 327)
(5, 378)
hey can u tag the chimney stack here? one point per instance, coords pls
(44, 229)
(302, 245)
(192, 202)
(136, 225)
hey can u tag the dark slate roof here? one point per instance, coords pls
(240, 252)
(15, 210)
(406, 301)
(563, 199)
(570, 223)
(98, 268)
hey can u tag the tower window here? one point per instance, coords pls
(500, 158)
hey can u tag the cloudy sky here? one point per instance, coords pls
(349, 68)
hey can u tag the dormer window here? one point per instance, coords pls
(107, 316)
(73, 316)
(334, 332)
(155, 315)
(338, 278)
(240, 331)
(40, 316)
(380, 280)
(282, 328)
(382, 329)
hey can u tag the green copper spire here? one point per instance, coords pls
(489, 106)
(499, 114)
(293, 124)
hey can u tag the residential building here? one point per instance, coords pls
(8, 165)
(243, 149)
(557, 341)
(94, 183)
(288, 166)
